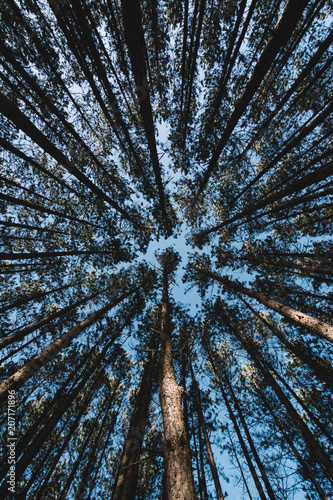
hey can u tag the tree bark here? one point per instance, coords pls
(177, 455)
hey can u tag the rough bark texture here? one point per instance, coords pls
(179, 483)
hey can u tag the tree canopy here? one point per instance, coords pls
(204, 126)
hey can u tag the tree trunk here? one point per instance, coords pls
(24, 300)
(237, 429)
(15, 115)
(320, 328)
(20, 334)
(239, 465)
(281, 33)
(321, 371)
(202, 464)
(307, 472)
(136, 45)
(310, 440)
(41, 208)
(211, 460)
(177, 455)
(127, 478)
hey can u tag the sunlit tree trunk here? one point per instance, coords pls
(177, 456)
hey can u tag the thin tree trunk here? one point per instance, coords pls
(211, 460)
(202, 463)
(281, 33)
(24, 300)
(67, 439)
(33, 228)
(239, 464)
(126, 482)
(42, 255)
(321, 371)
(303, 464)
(42, 208)
(237, 429)
(310, 440)
(136, 45)
(20, 334)
(15, 115)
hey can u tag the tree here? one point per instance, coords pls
(124, 122)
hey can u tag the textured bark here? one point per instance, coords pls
(177, 456)
(211, 460)
(320, 328)
(127, 478)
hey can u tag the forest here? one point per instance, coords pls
(166, 260)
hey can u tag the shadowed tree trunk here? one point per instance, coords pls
(237, 429)
(127, 478)
(211, 460)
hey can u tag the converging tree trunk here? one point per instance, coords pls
(179, 481)
(316, 326)
(127, 479)
(211, 460)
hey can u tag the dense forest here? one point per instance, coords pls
(202, 129)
